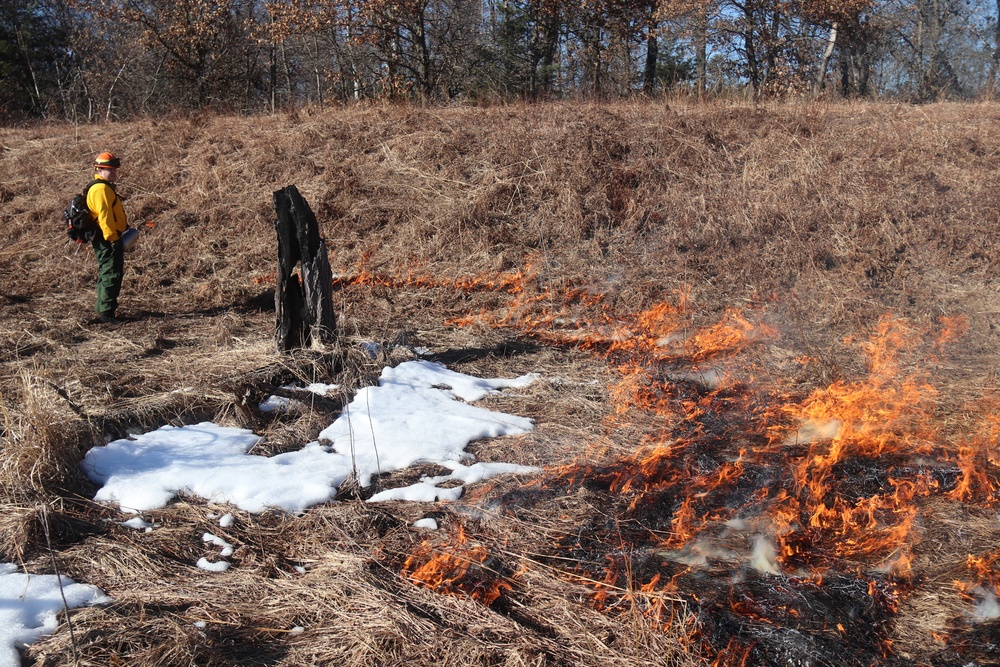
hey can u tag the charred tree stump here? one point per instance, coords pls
(304, 305)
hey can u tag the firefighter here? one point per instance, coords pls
(106, 207)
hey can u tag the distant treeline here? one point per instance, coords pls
(84, 60)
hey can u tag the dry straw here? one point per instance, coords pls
(817, 217)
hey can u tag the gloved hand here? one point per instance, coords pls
(117, 245)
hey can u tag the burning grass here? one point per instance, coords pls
(766, 411)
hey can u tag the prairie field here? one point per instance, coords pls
(766, 414)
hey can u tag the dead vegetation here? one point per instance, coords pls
(814, 220)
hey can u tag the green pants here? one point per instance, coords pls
(110, 271)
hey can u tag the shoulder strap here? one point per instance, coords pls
(95, 182)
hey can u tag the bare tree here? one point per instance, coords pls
(203, 45)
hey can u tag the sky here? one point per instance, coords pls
(420, 412)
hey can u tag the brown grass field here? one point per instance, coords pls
(771, 325)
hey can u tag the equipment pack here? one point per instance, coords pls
(80, 223)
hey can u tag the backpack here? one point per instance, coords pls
(80, 224)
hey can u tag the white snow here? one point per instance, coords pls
(419, 413)
(227, 548)
(138, 524)
(205, 564)
(283, 404)
(426, 524)
(29, 604)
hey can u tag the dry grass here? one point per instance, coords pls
(817, 219)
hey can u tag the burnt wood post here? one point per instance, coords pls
(304, 307)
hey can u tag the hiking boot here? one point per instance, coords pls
(106, 318)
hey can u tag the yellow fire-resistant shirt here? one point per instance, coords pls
(107, 210)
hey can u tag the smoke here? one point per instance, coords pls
(988, 608)
(764, 558)
(710, 378)
(698, 553)
(814, 430)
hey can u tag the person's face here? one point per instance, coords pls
(110, 175)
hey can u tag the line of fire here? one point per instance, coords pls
(793, 522)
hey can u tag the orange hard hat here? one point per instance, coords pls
(107, 161)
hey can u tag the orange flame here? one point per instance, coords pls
(812, 512)
(889, 413)
(458, 569)
(266, 279)
(985, 573)
(953, 329)
(974, 483)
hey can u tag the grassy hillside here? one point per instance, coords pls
(630, 253)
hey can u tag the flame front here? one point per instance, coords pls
(820, 492)
(456, 569)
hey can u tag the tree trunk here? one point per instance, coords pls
(939, 78)
(995, 67)
(652, 55)
(701, 47)
(549, 46)
(304, 306)
(753, 71)
(831, 43)
(427, 75)
(316, 72)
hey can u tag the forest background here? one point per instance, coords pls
(81, 61)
